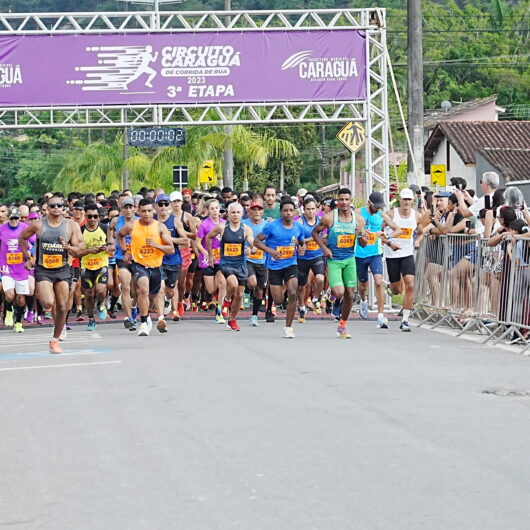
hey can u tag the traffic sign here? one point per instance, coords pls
(180, 176)
(352, 136)
(438, 174)
(207, 173)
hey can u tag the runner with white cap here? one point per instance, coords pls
(399, 251)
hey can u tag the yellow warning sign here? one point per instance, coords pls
(438, 174)
(352, 136)
(207, 173)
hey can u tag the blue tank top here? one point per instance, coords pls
(259, 256)
(341, 238)
(312, 249)
(233, 246)
(373, 224)
(120, 223)
(176, 258)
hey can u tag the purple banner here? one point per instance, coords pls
(182, 68)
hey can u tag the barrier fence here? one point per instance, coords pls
(474, 286)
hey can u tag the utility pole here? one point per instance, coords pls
(415, 91)
(228, 154)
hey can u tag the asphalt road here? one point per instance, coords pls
(204, 428)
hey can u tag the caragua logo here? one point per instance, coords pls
(321, 68)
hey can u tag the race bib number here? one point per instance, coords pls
(14, 258)
(93, 264)
(147, 251)
(312, 245)
(232, 249)
(285, 252)
(345, 240)
(406, 233)
(257, 255)
(52, 261)
(216, 253)
(371, 238)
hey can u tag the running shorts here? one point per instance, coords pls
(260, 272)
(317, 265)
(19, 286)
(342, 272)
(170, 275)
(282, 276)
(76, 274)
(154, 275)
(211, 271)
(240, 271)
(124, 265)
(53, 275)
(90, 278)
(374, 263)
(398, 267)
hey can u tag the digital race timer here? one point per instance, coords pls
(154, 137)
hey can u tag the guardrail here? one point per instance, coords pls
(465, 283)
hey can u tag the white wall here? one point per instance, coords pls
(458, 168)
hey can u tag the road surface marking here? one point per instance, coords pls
(56, 365)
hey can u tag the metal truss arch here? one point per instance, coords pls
(372, 111)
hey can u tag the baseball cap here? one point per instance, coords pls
(162, 197)
(127, 202)
(187, 191)
(406, 193)
(78, 205)
(442, 194)
(302, 192)
(256, 204)
(175, 196)
(14, 212)
(377, 199)
(33, 215)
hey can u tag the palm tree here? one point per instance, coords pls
(251, 148)
(100, 166)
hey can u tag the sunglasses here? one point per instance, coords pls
(56, 205)
(14, 218)
(92, 216)
(163, 203)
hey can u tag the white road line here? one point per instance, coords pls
(56, 365)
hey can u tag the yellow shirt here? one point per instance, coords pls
(96, 238)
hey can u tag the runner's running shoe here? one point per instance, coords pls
(363, 310)
(91, 324)
(8, 319)
(301, 316)
(253, 321)
(233, 325)
(79, 317)
(288, 333)
(54, 347)
(30, 316)
(102, 312)
(161, 325)
(18, 327)
(342, 333)
(382, 323)
(404, 326)
(219, 319)
(144, 330)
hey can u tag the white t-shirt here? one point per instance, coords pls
(478, 205)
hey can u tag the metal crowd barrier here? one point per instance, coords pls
(464, 283)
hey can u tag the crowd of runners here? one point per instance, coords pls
(79, 257)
